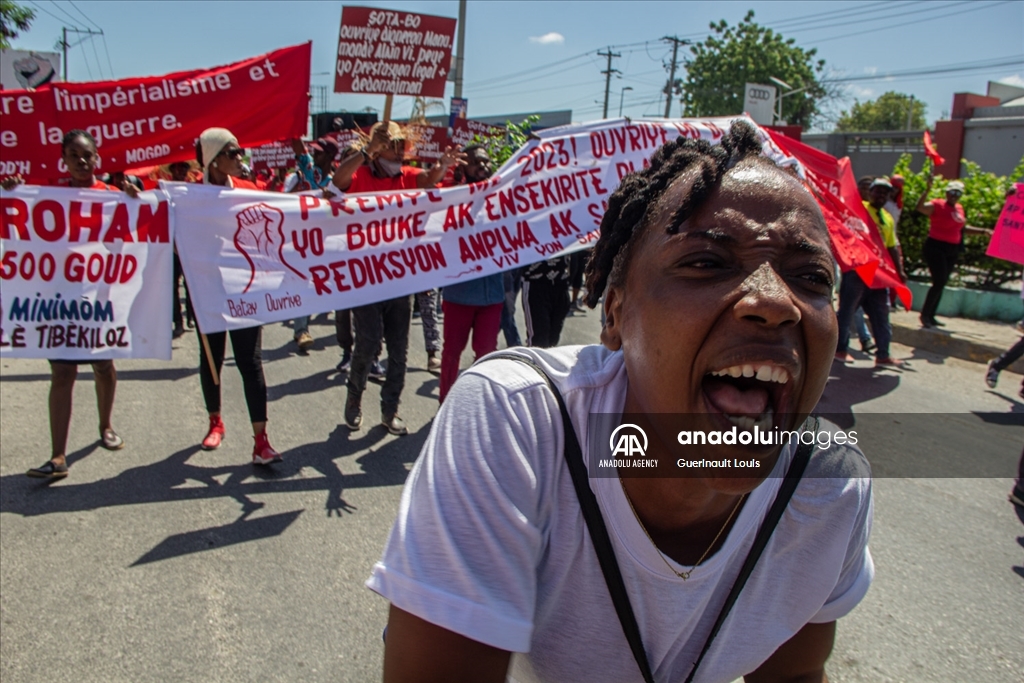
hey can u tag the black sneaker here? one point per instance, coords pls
(394, 424)
(353, 413)
(991, 375)
(346, 362)
(377, 373)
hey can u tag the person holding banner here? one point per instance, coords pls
(80, 155)
(512, 556)
(472, 306)
(220, 157)
(946, 226)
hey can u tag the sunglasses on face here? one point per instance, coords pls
(236, 153)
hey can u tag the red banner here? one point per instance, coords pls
(856, 241)
(430, 143)
(393, 53)
(272, 155)
(156, 120)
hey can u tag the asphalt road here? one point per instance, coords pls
(164, 562)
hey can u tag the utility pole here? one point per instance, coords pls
(676, 42)
(460, 46)
(608, 77)
(64, 44)
(910, 112)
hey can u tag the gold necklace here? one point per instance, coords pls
(682, 575)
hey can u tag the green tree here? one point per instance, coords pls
(750, 53)
(13, 19)
(888, 112)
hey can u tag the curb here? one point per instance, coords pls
(946, 344)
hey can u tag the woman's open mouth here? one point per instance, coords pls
(748, 394)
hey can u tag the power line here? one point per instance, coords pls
(107, 50)
(801, 23)
(981, 65)
(870, 20)
(903, 25)
(98, 27)
(64, 11)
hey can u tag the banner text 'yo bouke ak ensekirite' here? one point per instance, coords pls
(85, 274)
(257, 257)
(156, 120)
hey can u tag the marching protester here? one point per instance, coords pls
(220, 157)
(546, 300)
(383, 170)
(79, 153)
(854, 293)
(507, 559)
(314, 166)
(946, 226)
(180, 172)
(513, 282)
(472, 306)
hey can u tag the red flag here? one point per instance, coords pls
(929, 149)
(856, 241)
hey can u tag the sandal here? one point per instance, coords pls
(48, 470)
(110, 440)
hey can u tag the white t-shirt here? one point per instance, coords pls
(490, 542)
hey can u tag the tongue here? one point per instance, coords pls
(733, 400)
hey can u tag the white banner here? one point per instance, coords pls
(256, 257)
(86, 274)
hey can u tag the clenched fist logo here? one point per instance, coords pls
(260, 239)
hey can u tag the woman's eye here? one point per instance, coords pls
(818, 279)
(702, 263)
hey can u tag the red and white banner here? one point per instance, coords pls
(387, 52)
(257, 258)
(1008, 238)
(86, 274)
(856, 241)
(156, 120)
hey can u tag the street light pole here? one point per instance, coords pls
(622, 94)
(781, 83)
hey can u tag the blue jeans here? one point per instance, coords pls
(513, 283)
(300, 325)
(861, 327)
(853, 293)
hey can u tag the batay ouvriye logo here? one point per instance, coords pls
(628, 448)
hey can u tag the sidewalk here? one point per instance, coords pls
(974, 340)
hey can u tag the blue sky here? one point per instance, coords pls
(550, 39)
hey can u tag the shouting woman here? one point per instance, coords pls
(510, 558)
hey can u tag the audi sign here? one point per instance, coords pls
(759, 102)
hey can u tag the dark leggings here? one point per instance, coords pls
(247, 345)
(941, 259)
(179, 276)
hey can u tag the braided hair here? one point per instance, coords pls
(629, 206)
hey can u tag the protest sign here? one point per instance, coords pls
(1008, 238)
(387, 52)
(257, 258)
(156, 120)
(430, 143)
(465, 130)
(86, 274)
(272, 155)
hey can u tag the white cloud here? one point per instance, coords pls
(552, 38)
(871, 70)
(1013, 80)
(858, 91)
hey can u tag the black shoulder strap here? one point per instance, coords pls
(606, 553)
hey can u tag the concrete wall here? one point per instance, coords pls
(997, 144)
(870, 153)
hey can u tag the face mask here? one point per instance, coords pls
(390, 168)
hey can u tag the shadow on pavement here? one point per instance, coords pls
(176, 479)
(146, 375)
(848, 385)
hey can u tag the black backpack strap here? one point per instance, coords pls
(603, 544)
(764, 534)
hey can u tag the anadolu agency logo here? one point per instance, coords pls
(628, 448)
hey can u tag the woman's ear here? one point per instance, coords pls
(611, 329)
